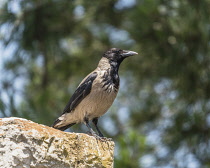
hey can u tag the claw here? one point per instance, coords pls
(103, 139)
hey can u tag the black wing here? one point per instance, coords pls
(82, 91)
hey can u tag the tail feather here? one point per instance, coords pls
(65, 127)
(62, 128)
(56, 122)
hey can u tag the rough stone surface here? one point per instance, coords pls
(25, 144)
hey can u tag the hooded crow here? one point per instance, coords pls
(95, 94)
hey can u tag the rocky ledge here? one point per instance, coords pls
(25, 144)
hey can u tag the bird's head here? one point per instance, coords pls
(118, 55)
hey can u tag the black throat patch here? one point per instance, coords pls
(111, 78)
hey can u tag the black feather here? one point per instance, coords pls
(82, 91)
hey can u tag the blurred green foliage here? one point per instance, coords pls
(161, 117)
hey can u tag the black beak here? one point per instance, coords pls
(128, 53)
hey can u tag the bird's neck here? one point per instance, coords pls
(105, 64)
(111, 71)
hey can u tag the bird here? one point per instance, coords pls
(95, 94)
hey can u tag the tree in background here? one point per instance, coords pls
(161, 118)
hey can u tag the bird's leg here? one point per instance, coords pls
(89, 127)
(94, 134)
(95, 122)
(101, 136)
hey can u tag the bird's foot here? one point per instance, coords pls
(103, 139)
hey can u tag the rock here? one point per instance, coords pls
(25, 144)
